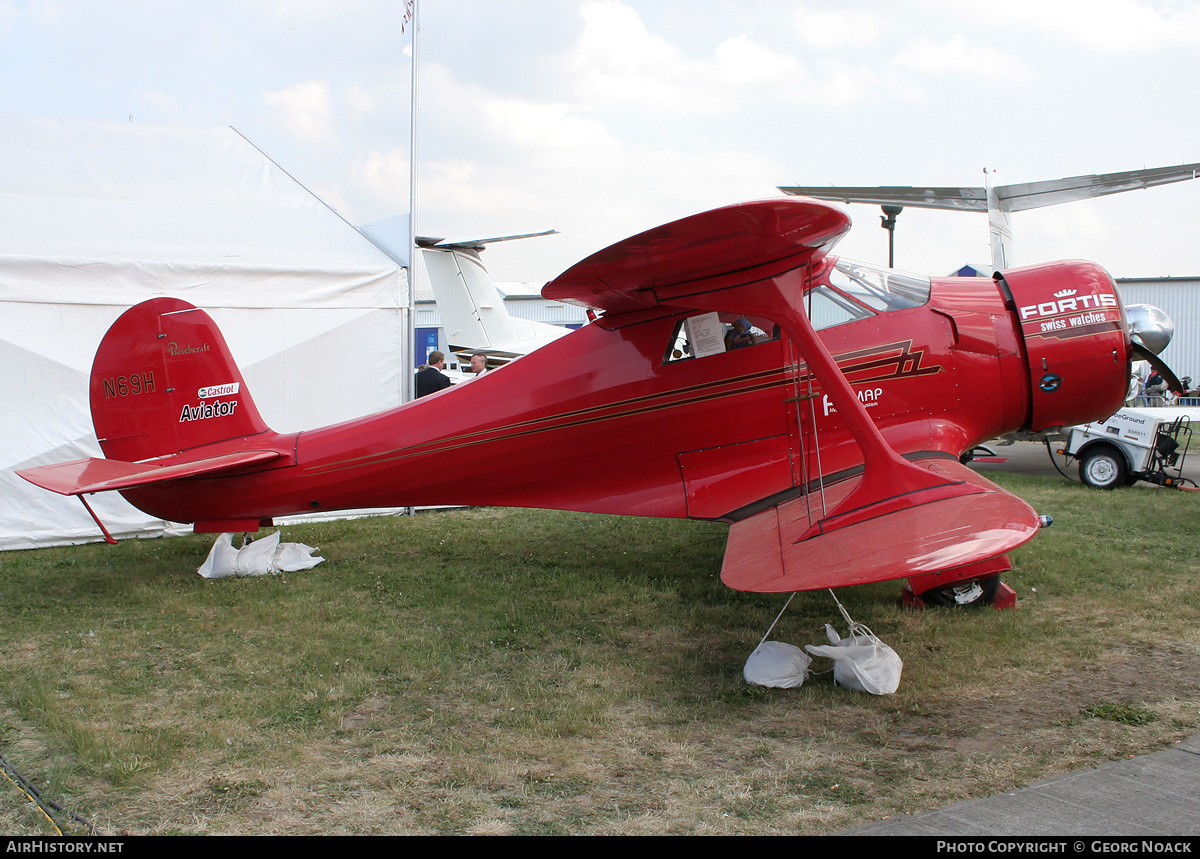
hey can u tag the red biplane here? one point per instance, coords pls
(828, 432)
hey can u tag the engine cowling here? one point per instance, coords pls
(1076, 340)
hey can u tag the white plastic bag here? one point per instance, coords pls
(291, 557)
(263, 556)
(254, 559)
(221, 560)
(776, 664)
(861, 662)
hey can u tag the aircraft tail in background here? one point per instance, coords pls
(472, 309)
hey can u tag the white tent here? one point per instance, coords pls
(96, 217)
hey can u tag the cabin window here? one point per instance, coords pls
(827, 307)
(714, 333)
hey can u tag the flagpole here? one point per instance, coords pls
(408, 385)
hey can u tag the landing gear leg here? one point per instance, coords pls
(963, 587)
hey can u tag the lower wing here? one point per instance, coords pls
(781, 550)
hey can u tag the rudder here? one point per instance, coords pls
(164, 381)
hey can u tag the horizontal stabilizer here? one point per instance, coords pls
(101, 475)
(509, 349)
(766, 552)
(475, 244)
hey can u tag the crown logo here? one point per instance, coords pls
(1064, 293)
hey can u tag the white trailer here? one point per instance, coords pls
(1134, 444)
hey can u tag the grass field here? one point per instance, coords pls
(505, 671)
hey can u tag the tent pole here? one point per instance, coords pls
(408, 378)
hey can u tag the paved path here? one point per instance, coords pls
(1026, 457)
(1152, 795)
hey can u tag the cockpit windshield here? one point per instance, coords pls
(857, 290)
(881, 289)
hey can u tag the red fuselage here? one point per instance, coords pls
(609, 420)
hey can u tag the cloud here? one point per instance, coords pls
(8, 14)
(361, 101)
(163, 103)
(514, 155)
(618, 62)
(383, 178)
(309, 10)
(547, 129)
(741, 62)
(1111, 26)
(304, 111)
(837, 28)
(960, 57)
(615, 32)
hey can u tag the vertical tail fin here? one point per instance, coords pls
(472, 308)
(164, 381)
(999, 226)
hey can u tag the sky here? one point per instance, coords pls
(603, 118)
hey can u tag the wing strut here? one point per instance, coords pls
(806, 412)
(108, 538)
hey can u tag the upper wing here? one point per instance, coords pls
(693, 254)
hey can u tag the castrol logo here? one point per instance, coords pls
(211, 391)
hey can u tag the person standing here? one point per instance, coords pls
(431, 379)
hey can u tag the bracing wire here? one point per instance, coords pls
(856, 628)
(776, 620)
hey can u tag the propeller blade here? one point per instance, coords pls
(1141, 353)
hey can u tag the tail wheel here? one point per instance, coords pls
(964, 593)
(1103, 467)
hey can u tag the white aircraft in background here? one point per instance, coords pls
(1001, 200)
(472, 309)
